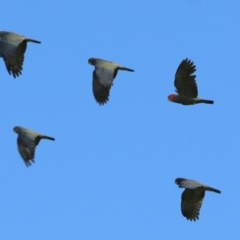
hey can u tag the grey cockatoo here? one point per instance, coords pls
(186, 86)
(27, 141)
(103, 76)
(192, 197)
(12, 49)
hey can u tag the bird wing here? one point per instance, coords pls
(185, 82)
(29, 134)
(14, 57)
(106, 73)
(191, 203)
(102, 82)
(26, 148)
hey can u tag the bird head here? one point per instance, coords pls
(171, 97)
(178, 181)
(92, 61)
(16, 129)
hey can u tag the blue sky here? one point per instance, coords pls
(110, 173)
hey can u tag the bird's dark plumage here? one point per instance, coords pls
(192, 197)
(185, 81)
(12, 49)
(27, 141)
(103, 76)
(186, 86)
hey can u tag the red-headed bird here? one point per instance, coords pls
(186, 85)
(192, 197)
(103, 76)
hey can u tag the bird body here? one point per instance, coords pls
(186, 86)
(27, 141)
(192, 197)
(12, 49)
(187, 100)
(103, 76)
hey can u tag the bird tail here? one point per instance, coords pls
(32, 40)
(126, 69)
(204, 101)
(46, 137)
(212, 189)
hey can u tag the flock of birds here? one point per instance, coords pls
(12, 49)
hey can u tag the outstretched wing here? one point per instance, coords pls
(102, 82)
(191, 203)
(26, 148)
(185, 82)
(14, 61)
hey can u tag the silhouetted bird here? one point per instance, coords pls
(27, 141)
(12, 49)
(186, 86)
(192, 197)
(103, 76)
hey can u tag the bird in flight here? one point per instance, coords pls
(27, 141)
(192, 197)
(12, 49)
(186, 86)
(103, 76)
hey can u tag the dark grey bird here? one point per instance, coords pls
(103, 76)
(27, 141)
(12, 49)
(192, 197)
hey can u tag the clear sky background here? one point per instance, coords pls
(110, 173)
